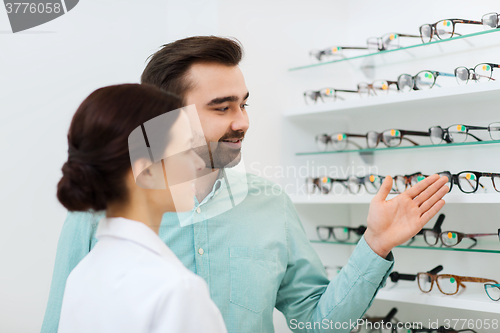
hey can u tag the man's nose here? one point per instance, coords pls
(240, 122)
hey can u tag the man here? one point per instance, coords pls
(254, 256)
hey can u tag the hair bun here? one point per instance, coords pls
(77, 191)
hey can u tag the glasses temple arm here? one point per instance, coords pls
(444, 74)
(395, 277)
(475, 137)
(356, 135)
(416, 133)
(474, 244)
(468, 21)
(406, 35)
(416, 144)
(475, 279)
(439, 223)
(339, 180)
(345, 90)
(354, 143)
(353, 47)
(436, 269)
(390, 315)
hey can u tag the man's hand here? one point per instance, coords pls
(394, 222)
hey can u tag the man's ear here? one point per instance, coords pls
(151, 176)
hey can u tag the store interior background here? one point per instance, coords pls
(47, 71)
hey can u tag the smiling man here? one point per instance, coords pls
(255, 255)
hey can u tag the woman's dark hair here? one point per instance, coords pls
(168, 67)
(98, 153)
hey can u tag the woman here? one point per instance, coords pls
(131, 281)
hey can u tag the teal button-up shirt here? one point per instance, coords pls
(254, 257)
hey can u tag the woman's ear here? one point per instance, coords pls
(151, 176)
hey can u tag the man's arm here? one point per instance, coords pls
(74, 244)
(306, 294)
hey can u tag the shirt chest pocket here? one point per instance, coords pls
(253, 277)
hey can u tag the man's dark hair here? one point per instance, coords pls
(168, 67)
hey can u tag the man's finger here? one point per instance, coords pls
(422, 185)
(425, 217)
(434, 198)
(429, 191)
(384, 190)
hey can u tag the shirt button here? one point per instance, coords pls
(198, 210)
(200, 251)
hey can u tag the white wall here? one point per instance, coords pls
(47, 71)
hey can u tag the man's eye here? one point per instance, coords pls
(244, 106)
(222, 109)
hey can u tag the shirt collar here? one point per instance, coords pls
(134, 231)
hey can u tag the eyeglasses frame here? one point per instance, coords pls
(458, 278)
(358, 231)
(434, 30)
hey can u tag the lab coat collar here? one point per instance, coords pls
(135, 231)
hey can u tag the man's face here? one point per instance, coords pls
(220, 94)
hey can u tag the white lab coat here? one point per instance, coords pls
(132, 282)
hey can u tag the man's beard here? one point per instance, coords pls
(217, 155)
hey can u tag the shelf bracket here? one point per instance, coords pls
(367, 157)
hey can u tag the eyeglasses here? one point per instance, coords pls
(325, 93)
(490, 20)
(482, 72)
(387, 323)
(340, 234)
(391, 137)
(323, 184)
(493, 291)
(382, 86)
(448, 284)
(443, 29)
(401, 183)
(371, 183)
(431, 235)
(452, 238)
(395, 276)
(441, 329)
(338, 141)
(388, 41)
(423, 80)
(457, 133)
(494, 130)
(353, 184)
(468, 181)
(332, 51)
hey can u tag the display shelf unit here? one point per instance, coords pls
(376, 150)
(473, 301)
(459, 198)
(432, 248)
(414, 51)
(405, 102)
(472, 104)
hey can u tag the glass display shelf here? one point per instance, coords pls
(373, 150)
(406, 103)
(472, 298)
(455, 196)
(399, 51)
(421, 247)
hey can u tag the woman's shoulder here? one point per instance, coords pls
(130, 264)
